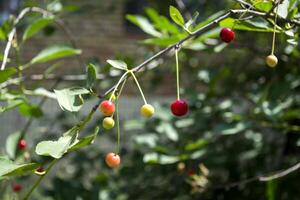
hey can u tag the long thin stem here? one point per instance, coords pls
(117, 85)
(118, 118)
(138, 85)
(177, 75)
(274, 31)
(26, 197)
(118, 127)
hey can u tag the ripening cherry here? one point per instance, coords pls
(179, 107)
(191, 172)
(271, 60)
(107, 108)
(108, 123)
(147, 110)
(16, 187)
(40, 171)
(227, 35)
(112, 160)
(22, 144)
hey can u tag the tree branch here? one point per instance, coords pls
(264, 178)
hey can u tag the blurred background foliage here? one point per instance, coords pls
(244, 118)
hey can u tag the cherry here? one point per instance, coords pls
(40, 169)
(227, 35)
(147, 110)
(271, 60)
(107, 108)
(179, 107)
(191, 172)
(22, 144)
(108, 123)
(16, 187)
(112, 160)
(180, 167)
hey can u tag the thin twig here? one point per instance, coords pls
(264, 178)
(14, 29)
(44, 12)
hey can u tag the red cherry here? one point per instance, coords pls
(22, 144)
(191, 172)
(40, 169)
(107, 108)
(227, 35)
(16, 187)
(112, 160)
(179, 107)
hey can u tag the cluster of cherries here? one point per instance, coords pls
(178, 107)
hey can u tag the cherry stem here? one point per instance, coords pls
(138, 85)
(118, 126)
(118, 120)
(177, 73)
(116, 87)
(274, 31)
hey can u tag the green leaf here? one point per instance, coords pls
(154, 158)
(119, 64)
(196, 145)
(88, 140)
(91, 73)
(176, 16)
(231, 129)
(161, 22)
(258, 25)
(8, 168)
(11, 104)
(54, 52)
(58, 148)
(144, 24)
(6, 74)
(70, 99)
(168, 130)
(283, 9)
(13, 100)
(163, 41)
(263, 6)
(36, 26)
(11, 144)
(29, 110)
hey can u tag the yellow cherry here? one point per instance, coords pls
(108, 123)
(147, 110)
(271, 60)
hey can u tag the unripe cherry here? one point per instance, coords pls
(179, 107)
(107, 108)
(112, 160)
(271, 60)
(147, 110)
(227, 35)
(108, 123)
(22, 144)
(16, 187)
(181, 167)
